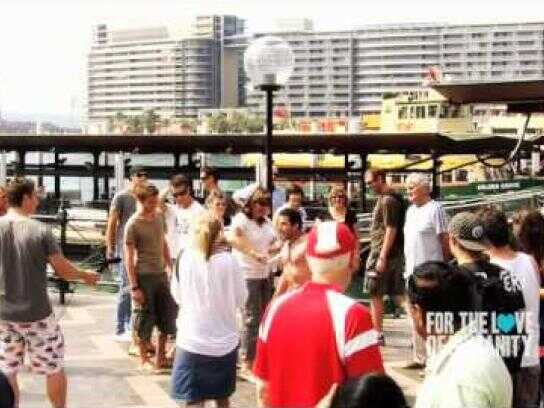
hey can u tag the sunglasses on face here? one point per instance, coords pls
(141, 174)
(180, 193)
(338, 197)
(221, 204)
(263, 203)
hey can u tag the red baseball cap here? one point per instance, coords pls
(330, 239)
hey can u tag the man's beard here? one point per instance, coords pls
(260, 220)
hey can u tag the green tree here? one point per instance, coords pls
(150, 120)
(135, 124)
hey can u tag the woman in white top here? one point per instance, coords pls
(253, 239)
(209, 287)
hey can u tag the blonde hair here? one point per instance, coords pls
(205, 234)
(337, 190)
(215, 195)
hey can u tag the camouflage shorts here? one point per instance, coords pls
(41, 341)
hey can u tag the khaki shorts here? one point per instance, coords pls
(390, 282)
(42, 341)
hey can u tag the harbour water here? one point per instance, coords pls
(81, 188)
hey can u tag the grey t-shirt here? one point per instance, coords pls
(25, 245)
(125, 203)
(147, 238)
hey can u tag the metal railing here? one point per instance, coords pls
(67, 231)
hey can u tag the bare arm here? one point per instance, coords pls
(239, 241)
(388, 241)
(111, 231)
(166, 255)
(130, 264)
(445, 243)
(67, 271)
(262, 390)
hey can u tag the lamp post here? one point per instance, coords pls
(268, 62)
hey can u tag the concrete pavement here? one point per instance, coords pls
(102, 375)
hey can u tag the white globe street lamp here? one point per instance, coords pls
(268, 62)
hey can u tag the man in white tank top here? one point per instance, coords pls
(525, 269)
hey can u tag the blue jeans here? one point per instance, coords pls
(124, 302)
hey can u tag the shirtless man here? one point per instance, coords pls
(293, 253)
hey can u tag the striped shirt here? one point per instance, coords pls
(311, 338)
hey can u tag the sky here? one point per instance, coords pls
(43, 43)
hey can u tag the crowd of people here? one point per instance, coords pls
(235, 287)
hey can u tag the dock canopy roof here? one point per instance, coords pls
(520, 96)
(366, 143)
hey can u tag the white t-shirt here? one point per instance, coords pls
(523, 267)
(179, 222)
(209, 294)
(422, 228)
(261, 238)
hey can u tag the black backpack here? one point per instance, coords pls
(496, 290)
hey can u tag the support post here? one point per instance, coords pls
(268, 143)
(57, 176)
(435, 194)
(346, 175)
(96, 187)
(21, 165)
(106, 177)
(40, 169)
(362, 184)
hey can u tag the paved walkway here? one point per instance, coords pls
(101, 375)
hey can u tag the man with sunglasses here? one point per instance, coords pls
(122, 207)
(181, 215)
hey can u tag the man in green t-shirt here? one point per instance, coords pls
(148, 260)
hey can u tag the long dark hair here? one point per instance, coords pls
(531, 235)
(370, 391)
(260, 195)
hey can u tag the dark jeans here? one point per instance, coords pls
(124, 301)
(259, 294)
(526, 387)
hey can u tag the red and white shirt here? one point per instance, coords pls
(310, 339)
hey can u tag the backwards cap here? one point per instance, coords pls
(330, 239)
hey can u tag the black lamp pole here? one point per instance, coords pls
(269, 89)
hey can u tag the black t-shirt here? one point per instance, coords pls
(496, 290)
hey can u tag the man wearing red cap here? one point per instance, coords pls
(314, 337)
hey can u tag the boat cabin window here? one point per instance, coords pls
(433, 109)
(462, 175)
(443, 111)
(447, 177)
(420, 112)
(403, 112)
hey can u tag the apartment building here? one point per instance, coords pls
(173, 70)
(346, 73)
